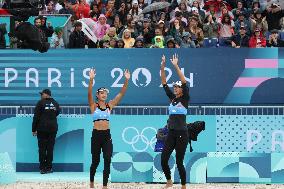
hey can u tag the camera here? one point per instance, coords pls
(28, 35)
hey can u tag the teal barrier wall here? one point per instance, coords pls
(231, 149)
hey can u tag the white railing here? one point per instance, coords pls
(157, 110)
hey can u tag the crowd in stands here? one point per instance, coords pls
(182, 24)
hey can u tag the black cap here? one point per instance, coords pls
(45, 91)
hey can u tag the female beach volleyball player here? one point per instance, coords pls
(101, 137)
(177, 138)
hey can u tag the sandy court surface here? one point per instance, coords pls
(84, 185)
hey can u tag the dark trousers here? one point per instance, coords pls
(101, 140)
(46, 143)
(176, 140)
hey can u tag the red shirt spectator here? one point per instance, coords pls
(82, 9)
(257, 40)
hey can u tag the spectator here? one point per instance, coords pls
(111, 33)
(273, 15)
(49, 8)
(139, 43)
(241, 39)
(226, 27)
(273, 40)
(112, 43)
(128, 40)
(225, 11)
(66, 8)
(104, 44)
(98, 3)
(38, 25)
(77, 37)
(48, 30)
(161, 25)
(176, 29)
(212, 11)
(178, 16)
(201, 13)
(258, 21)
(196, 32)
(3, 32)
(131, 26)
(122, 12)
(255, 7)
(147, 32)
(242, 21)
(159, 41)
(120, 43)
(171, 43)
(186, 41)
(194, 12)
(257, 40)
(142, 4)
(109, 11)
(95, 12)
(183, 9)
(101, 27)
(56, 39)
(210, 27)
(117, 24)
(82, 9)
(240, 9)
(135, 11)
(158, 32)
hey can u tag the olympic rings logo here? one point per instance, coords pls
(136, 138)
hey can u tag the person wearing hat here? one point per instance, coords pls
(241, 39)
(45, 127)
(244, 22)
(101, 27)
(139, 43)
(77, 38)
(101, 137)
(257, 40)
(171, 43)
(159, 41)
(56, 39)
(135, 11)
(146, 31)
(177, 138)
(274, 40)
(186, 41)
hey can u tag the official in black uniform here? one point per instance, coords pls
(177, 138)
(45, 128)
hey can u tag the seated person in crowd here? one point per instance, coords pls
(274, 40)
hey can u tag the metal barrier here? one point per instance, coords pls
(157, 110)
